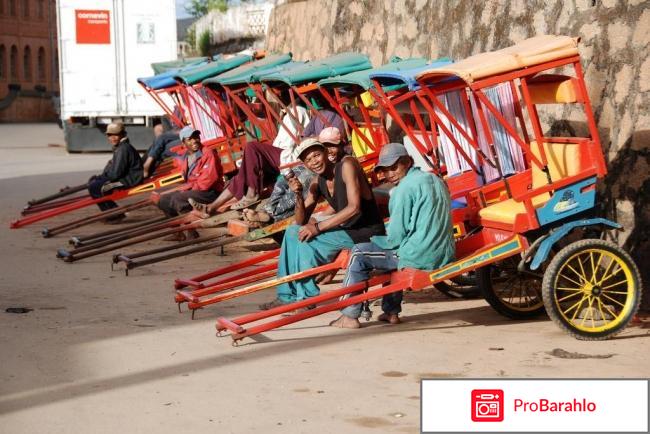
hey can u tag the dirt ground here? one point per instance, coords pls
(101, 351)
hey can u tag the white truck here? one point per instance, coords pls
(104, 46)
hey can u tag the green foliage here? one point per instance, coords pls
(199, 8)
(191, 36)
(204, 43)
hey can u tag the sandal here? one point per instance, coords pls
(202, 207)
(245, 202)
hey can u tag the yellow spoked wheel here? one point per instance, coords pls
(592, 289)
(511, 293)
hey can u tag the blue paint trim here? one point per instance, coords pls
(545, 247)
(567, 201)
(474, 261)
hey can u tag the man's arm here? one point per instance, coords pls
(351, 178)
(400, 210)
(118, 168)
(146, 166)
(209, 175)
(304, 207)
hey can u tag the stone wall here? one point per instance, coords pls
(615, 55)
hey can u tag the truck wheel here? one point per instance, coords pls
(592, 289)
(511, 293)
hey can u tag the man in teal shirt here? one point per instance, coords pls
(419, 233)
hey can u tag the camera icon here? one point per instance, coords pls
(487, 405)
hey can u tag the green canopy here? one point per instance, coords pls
(244, 73)
(200, 73)
(361, 79)
(160, 67)
(338, 64)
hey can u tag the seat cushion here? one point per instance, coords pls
(505, 211)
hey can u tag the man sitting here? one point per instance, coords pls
(160, 149)
(309, 243)
(282, 202)
(419, 233)
(124, 170)
(203, 177)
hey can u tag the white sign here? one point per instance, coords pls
(534, 405)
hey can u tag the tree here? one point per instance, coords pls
(204, 43)
(199, 8)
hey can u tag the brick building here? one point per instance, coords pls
(28, 60)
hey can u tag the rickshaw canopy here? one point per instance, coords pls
(531, 52)
(361, 79)
(243, 74)
(338, 64)
(198, 74)
(405, 77)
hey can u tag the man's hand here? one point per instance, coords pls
(307, 232)
(295, 185)
(106, 188)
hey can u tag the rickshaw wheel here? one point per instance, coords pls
(592, 289)
(463, 286)
(511, 293)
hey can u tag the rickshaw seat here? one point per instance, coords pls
(563, 160)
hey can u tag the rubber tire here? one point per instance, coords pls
(554, 267)
(484, 280)
(460, 287)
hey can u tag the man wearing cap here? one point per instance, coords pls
(260, 163)
(419, 233)
(124, 170)
(203, 175)
(282, 202)
(311, 243)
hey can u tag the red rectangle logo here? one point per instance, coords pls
(487, 405)
(93, 26)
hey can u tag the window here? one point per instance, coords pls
(12, 8)
(25, 4)
(41, 9)
(41, 64)
(2, 7)
(13, 67)
(27, 63)
(3, 60)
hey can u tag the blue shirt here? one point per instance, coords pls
(420, 226)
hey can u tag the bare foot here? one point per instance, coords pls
(344, 322)
(391, 318)
(199, 214)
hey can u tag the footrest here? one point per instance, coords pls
(238, 227)
(183, 283)
(226, 324)
(182, 296)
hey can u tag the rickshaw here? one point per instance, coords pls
(345, 94)
(217, 110)
(296, 79)
(169, 94)
(521, 211)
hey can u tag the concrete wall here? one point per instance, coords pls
(615, 55)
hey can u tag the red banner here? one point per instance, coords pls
(93, 27)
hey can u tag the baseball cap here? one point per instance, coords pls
(187, 132)
(115, 128)
(389, 154)
(330, 135)
(306, 144)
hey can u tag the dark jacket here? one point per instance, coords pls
(125, 166)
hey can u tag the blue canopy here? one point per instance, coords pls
(406, 77)
(165, 79)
